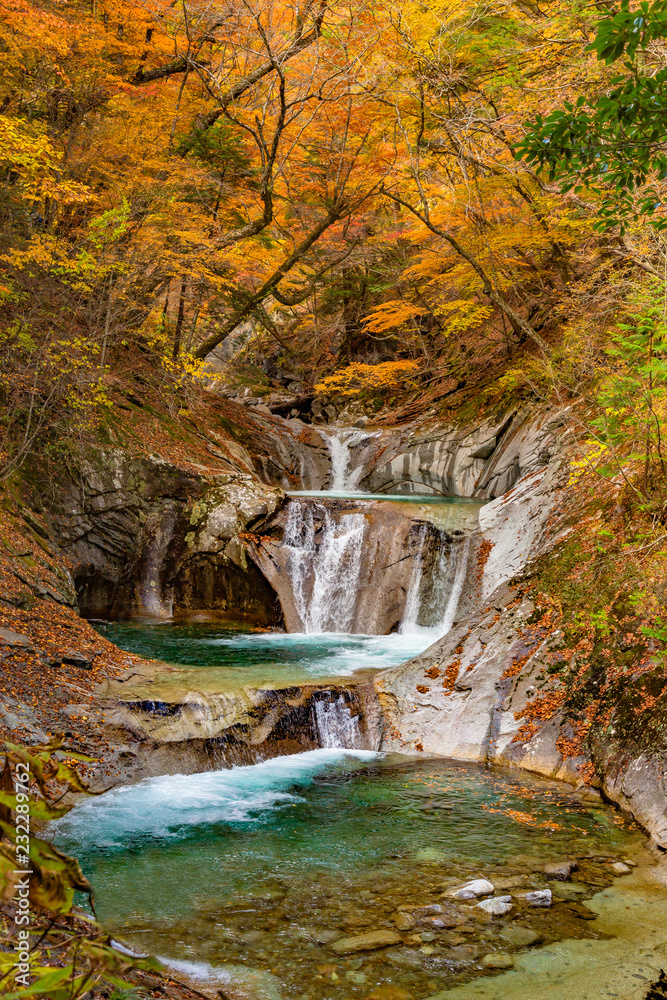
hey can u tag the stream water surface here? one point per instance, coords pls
(251, 877)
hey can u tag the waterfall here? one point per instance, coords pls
(335, 725)
(339, 444)
(461, 558)
(413, 598)
(324, 565)
(437, 609)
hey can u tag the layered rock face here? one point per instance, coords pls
(146, 538)
(160, 727)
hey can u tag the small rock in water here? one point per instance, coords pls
(497, 907)
(541, 897)
(326, 937)
(358, 978)
(427, 936)
(560, 870)
(252, 937)
(568, 890)
(519, 936)
(498, 960)
(582, 911)
(619, 868)
(421, 911)
(366, 942)
(404, 921)
(388, 992)
(478, 887)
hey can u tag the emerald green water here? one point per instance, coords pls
(227, 657)
(237, 877)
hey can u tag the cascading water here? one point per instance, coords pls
(340, 442)
(324, 564)
(432, 604)
(335, 725)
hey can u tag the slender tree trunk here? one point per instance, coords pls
(179, 321)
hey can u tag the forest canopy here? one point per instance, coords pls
(282, 190)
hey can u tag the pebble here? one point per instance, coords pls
(427, 936)
(541, 897)
(404, 921)
(497, 907)
(519, 936)
(560, 870)
(498, 960)
(619, 868)
(358, 978)
(478, 887)
(366, 942)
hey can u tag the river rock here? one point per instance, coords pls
(478, 887)
(619, 868)
(418, 912)
(568, 890)
(404, 921)
(366, 942)
(541, 897)
(326, 937)
(519, 936)
(560, 870)
(498, 960)
(76, 659)
(497, 907)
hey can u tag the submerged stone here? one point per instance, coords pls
(366, 942)
(497, 907)
(498, 960)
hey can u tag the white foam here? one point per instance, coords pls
(168, 805)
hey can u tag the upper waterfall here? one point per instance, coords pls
(340, 441)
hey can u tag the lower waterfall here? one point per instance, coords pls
(335, 725)
(325, 570)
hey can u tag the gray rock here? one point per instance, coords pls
(370, 941)
(478, 887)
(75, 659)
(619, 868)
(519, 936)
(9, 638)
(497, 907)
(541, 897)
(560, 870)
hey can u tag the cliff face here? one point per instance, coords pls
(143, 536)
